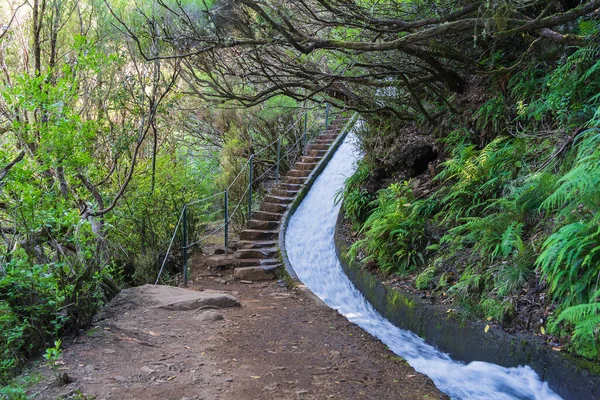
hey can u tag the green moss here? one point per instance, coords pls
(392, 297)
(287, 278)
(410, 303)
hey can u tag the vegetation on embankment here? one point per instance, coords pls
(113, 114)
(100, 150)
(499, 209)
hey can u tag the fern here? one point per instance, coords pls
(582, 182)
(586, 321)
(491, 116)
(356, 198)
(394, 232)
(571, 259)
(473, 177)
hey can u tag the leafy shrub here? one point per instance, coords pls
(425, 278)
(571, 255)
(356, 198)
(586, 319)
(30, 301)
(394, 233)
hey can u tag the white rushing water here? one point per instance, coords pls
(311, 251)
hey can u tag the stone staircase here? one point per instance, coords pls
(257, 256)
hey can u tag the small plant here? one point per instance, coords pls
(395, 230)
(12, 392)
(586, 321)
(425, 278)
(52, 356)
(355, 197)
(491, 117)
(16, 389)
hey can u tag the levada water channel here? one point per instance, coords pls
(310, 248)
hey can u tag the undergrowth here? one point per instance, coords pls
(516, 216)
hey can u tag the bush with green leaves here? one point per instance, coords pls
(394, 232)
(570, 257)
(520, 212)
(36, 306)
(356, 199)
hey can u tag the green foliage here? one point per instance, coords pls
(586, 320)
(394, 231)
(425, 278)
(140, 228)
(78, 122)
(356, 198)
(29, 301)
(491, 116)
(569, 94)
(474, 176)
(521, 211)
(39, 302)
(12, 392)
(52, 357)
(571, 255)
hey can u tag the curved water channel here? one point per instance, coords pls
(310, 248)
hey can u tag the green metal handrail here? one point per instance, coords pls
(183, 218)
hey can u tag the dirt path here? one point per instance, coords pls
(280, 344)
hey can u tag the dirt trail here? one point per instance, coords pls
(280, 344)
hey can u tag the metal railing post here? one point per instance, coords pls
(250, 187)
(327, 116)
(278, 159)
(305, 129)
(226, 221)
(184, 247)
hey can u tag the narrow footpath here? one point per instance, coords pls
(235, 333)
(280, 344)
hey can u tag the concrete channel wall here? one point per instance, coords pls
(467, 341)
(568, 376)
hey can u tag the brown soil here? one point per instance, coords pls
(280, 344)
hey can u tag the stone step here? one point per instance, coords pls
(322, 141)
(289, 186)
(276, 269)
(305, 166)
(267, 262)
(284, 193)
(221, 261)
(294, 180)
(298, 173)
(307, 159)
(230, 261)
(272, 207)
(278, 199)
(254, 274)
(317, 146)
(248, 262)
(267, 216)
(316, 153)
(262, 224)
(256, 234)
(255, 244)
(261, 253)
(329, 134)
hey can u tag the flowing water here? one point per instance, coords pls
(311, 251)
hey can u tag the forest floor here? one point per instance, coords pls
(280, 344)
